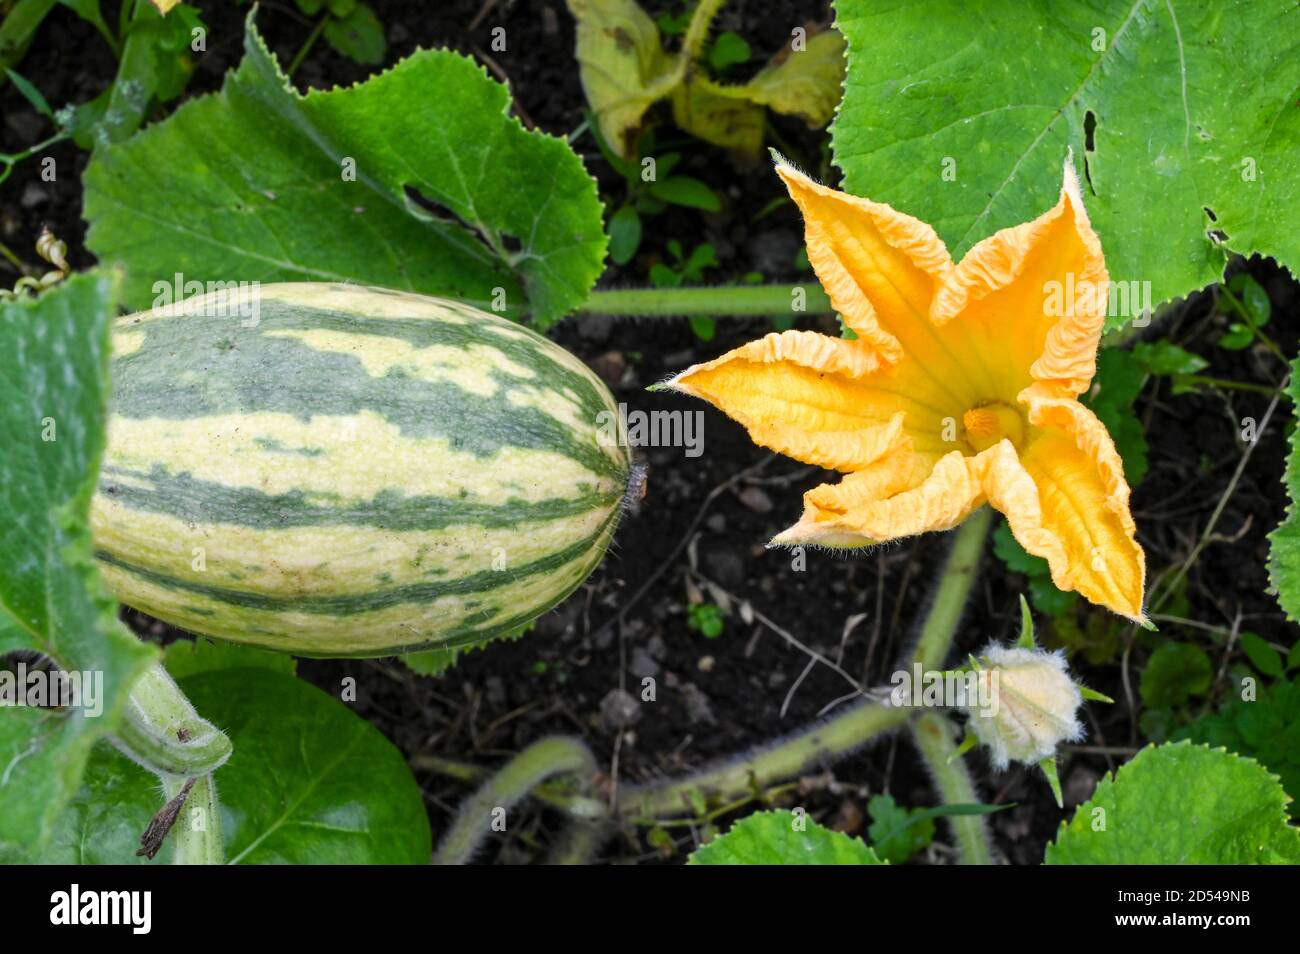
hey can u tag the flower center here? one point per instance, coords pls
(989, 423)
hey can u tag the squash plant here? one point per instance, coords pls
(967, 192)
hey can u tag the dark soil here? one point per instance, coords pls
(750, 684)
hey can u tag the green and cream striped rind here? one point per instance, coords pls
(333, 470)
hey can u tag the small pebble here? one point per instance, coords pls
(697, 705)
(619, 708)
(642, 663)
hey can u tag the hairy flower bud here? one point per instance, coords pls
(1033, 707)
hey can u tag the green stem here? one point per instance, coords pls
(738, 300)
(954, 587)
(578, 846)
(550, 795)
(306, 46)
(733, 778)
(493, 801)
(933, 734)
(1229, 385)
(1249, 319)
(196, 836)
(10, 161)
(161, 731)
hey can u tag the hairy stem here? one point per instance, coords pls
(698, 29)
(196, 835)
(735, 300)
(550, 795)
(161, 731)
(954, 587)
(933, 734)
(493, 801)
(751, 773)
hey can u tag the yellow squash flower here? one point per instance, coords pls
(960, 388)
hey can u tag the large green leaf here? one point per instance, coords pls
(309, 782)
(258, 183)
(1284, 542)
(53, 392)
(783, 838)
(1181, 804)
(1266, 728)
(1194, 110)
(185, 658)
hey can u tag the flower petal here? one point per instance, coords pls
(822, 400)
(1034, 296)
(1067, 501)
(880, 268)
(902, 494)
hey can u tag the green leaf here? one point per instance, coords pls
(729, 49)
(53, 396)
(1284, 542)
(103, 823)
(1261, 655)
(187, 657)
(358, 35)
(624, 235)
(30, 93)
(89, 10)
(309, 782)
(897, 833)
(1049, 600)
(430, 662)
(1004, 88)
(1264, 727)
(1181, 804)
(259, 187)
(1016, 557)
(783, 838)
(1118, 382)
(1163, 357)
(434, 662)
(1237, 337)
(1253, 299)
(155, 66)
(704, 327)
(686, 191)
(19, 26)
(1174, 673)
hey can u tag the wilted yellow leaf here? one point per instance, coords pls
(625, 69)
(164, 6)
(803, 82)
(719, 114)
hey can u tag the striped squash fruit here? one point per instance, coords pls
(350, 471)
